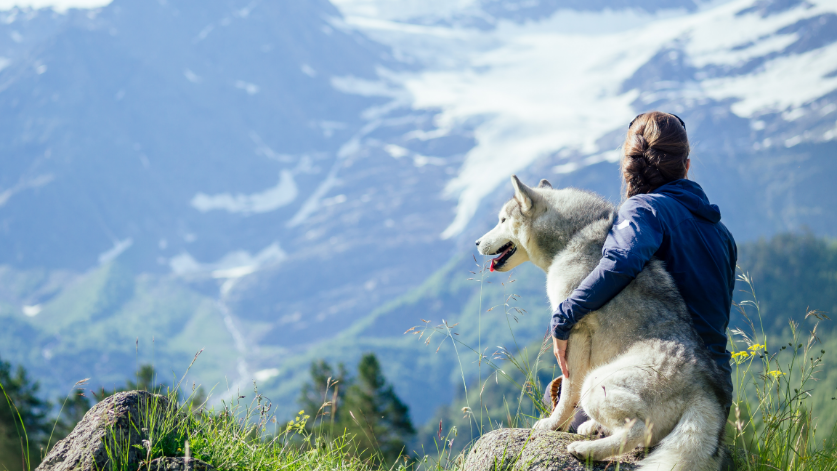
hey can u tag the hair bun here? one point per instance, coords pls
(656, 149)
(636, 146)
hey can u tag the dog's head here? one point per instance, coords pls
(510, 238)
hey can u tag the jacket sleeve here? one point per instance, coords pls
(632, 241)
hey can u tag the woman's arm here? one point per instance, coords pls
(634, 239)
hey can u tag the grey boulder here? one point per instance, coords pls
(178, 464)
(537, 450)
(117, 423)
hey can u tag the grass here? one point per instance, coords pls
(774, 424)
(236, 436)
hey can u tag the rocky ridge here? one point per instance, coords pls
(120, 422)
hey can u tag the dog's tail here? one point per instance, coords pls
(695, 444)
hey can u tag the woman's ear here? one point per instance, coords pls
(688, 166)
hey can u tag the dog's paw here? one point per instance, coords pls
(580, 449)
(591, 427)
(545, 424)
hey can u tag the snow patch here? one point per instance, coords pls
(404, 9)
(250, 88)
(204, 33)
(24, 184)
(308, 70)
(118, 248)
(269, 200)
(60, 6)
(264, 375)
(32, 311)
(191, 76)
(364, 87)
(557, 84)
(396, 152)
(785, 82)
(231, 266)
(315, 201)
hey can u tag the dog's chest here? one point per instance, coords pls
(561, 280)
(568, 270)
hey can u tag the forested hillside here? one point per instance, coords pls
(792, 274)
(501, 316)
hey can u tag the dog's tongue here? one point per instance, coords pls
(502, 254)
(494, 260)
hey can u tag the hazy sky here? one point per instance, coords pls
(57, 4)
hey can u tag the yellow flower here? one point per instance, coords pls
(301, 412)
(775, 373)
(738, 357)
(756, 347)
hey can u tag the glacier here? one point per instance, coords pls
(555, 84)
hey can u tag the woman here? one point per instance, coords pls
(668, 217)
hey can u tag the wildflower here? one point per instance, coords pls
(739, 357)
(775, 373)
(756, 347)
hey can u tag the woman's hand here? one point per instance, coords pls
(559, 348)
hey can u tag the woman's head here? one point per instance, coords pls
(656, 151)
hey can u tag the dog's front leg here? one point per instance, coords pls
(578, 361)
(562, 416)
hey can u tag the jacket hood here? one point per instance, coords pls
(691, 195)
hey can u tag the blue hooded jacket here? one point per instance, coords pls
(676, 224)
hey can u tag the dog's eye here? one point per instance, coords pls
(502, 220)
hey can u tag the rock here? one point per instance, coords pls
(117, 423)
(178, 464)
(512, 449)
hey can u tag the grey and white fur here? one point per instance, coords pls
(636, 366)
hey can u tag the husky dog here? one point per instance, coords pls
(637, 367)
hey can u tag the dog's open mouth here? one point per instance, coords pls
(505, 252)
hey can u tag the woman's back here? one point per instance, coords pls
(697, 249)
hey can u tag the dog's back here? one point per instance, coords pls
(637, 366)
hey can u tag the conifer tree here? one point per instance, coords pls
(377, 416)
(327, 386)
(23, 417)
(365, 407)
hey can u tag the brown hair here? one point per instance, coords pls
(656, 152)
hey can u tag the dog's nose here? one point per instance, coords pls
(478, 243)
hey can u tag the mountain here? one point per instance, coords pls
(195, 143)
(287, 180)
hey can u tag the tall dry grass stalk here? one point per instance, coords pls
(774, 424)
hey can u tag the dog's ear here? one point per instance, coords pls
(524, 195)
(544, 184)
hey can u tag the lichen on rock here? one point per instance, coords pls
(178, 464)
(117, 423)
(513, 449)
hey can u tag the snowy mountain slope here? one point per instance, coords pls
(211, 144)
(551, 98)
(215, 101)
(277, 171)
(557, 87)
